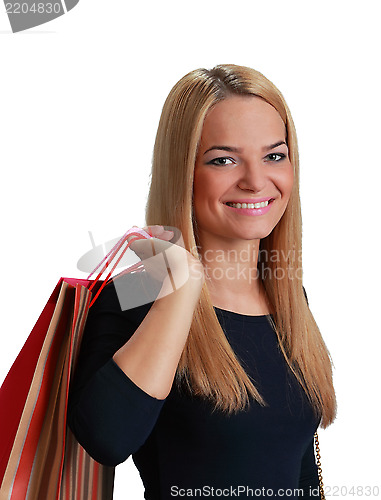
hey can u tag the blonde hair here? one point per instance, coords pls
(208, 364)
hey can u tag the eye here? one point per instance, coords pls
(221, 161)
(276, 157)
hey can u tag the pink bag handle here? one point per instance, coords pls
(106, 261)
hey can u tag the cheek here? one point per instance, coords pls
(197, 183)
(198, 190)
(199, 195)
(285, 181)
(206, 188)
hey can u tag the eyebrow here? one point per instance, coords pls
(239, 150)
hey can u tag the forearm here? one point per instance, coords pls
(151, 356)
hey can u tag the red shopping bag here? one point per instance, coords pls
(39, 457)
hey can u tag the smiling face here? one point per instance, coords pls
(242, 160)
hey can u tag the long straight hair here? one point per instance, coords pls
(208, 365)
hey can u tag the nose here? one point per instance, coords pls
(253, 177)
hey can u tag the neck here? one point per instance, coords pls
(231, 268)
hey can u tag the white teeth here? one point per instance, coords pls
(248, 205)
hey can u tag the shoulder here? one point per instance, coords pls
(127, 294)
(119, 309)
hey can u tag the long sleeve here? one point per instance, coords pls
(110, 415)
(309, 479)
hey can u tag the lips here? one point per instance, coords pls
(250, 200)
(250, 209)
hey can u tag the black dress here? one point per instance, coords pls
(181, 445)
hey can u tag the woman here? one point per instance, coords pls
(218, 387)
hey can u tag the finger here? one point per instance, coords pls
(167, 235)
(147, 248)
(156, 231)
(160, 233)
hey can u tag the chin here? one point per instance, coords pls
(256, 234)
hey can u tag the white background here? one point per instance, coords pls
(80, 99)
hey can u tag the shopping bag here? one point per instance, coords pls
(40, 458)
